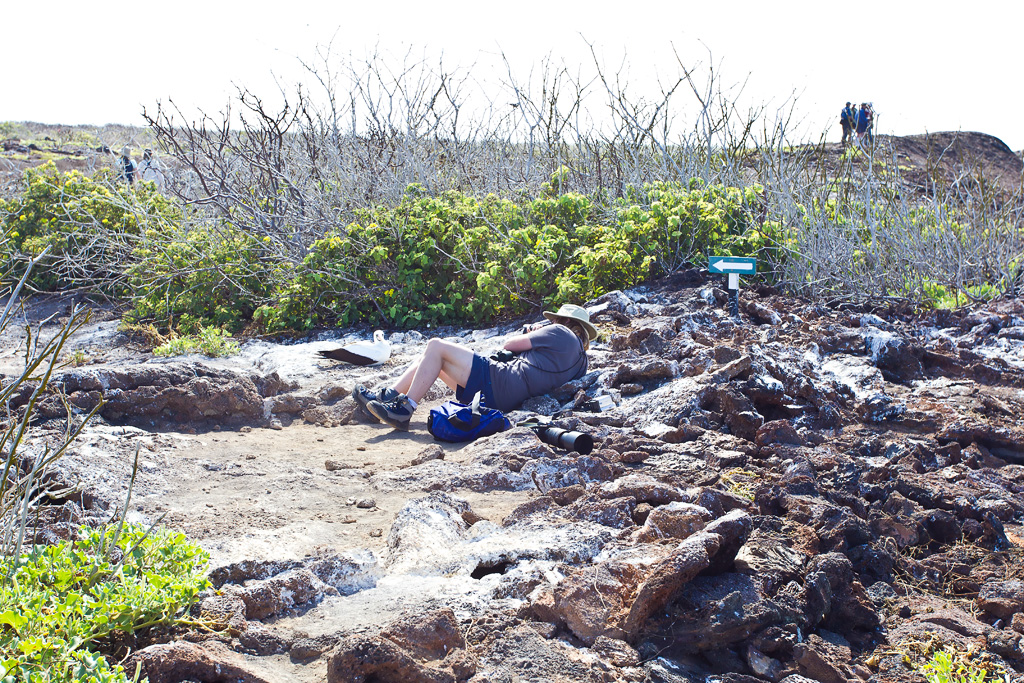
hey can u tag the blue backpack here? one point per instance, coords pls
(455, 422)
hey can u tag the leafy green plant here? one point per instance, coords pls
(740, 482)
(184, 277)
(675, 222)
(61, 602)
(86, 225)
(935, 295)
(209, 341)
(947, 666)
(76, 358)
(454, 257)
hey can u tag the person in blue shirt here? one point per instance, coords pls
(126, 165)
(863, 122)
(848, 118)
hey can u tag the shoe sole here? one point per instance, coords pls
(363, 401)
(401, 425)
(364, 404)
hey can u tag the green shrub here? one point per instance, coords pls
(432, 259)
(60, 603)
(88, 222)
(935, 295)
(946, 666)
(677, 223)
(209, 341)
(199, 276)
(454, 258)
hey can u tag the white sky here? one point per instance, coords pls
(927, 66)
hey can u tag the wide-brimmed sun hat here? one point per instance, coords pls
(573, 312)
(126, 151)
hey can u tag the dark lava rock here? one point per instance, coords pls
(649, 371)
(426, 649)
(897, 358)
(1002, 599)
(689, 559)
(257, 639)
(182, 661)
(310, 648)
(227, 611)
(778, 432)
(825, 658)
(272, 596)
(615, 512)
(173, 392)
(738, 411)
(734, 529)
(675, 520)
(715, 612)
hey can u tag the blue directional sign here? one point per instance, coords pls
(732, 264)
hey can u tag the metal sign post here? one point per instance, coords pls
(733, 266)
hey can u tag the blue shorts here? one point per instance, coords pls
(479, 380)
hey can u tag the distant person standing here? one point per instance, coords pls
(149, 169)
(871, 123)
(863, 121)
(848, 119)
(126, 165)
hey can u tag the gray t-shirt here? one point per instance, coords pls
(556, 357)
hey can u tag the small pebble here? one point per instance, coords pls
(376, 533)
(366, 503)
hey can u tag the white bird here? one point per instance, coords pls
(362, 352)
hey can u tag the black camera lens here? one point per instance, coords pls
(580, 442)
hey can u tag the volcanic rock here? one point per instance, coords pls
(674, 520)
(181, 661)
(824, 657)
(426, 649)
(176, 392)
(1002, 599)
(272, 596)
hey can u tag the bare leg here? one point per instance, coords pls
(405, 381)
(453, 360)
(452, 384)
(452, 363)
(403, 384)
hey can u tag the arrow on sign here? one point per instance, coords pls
(732, 264)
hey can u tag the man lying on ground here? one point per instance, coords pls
(541, 358)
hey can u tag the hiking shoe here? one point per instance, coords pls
(363, 396)
(396, 412)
